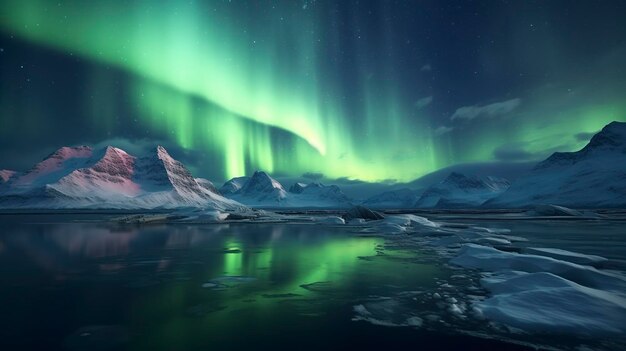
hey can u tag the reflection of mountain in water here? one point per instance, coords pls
(228, 249)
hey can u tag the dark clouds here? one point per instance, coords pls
(584, 136)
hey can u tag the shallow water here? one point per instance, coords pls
(74, 282)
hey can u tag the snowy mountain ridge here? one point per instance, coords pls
(594, 176)
(459, 191)
(261, 190)
(79, 177)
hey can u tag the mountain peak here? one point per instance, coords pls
(162, 153)
(234, 185)
(591, 177)
(66, 152)
(6, 174)
(55, 165)
(76, 177)
(462, 180)
(459, 190)
(263, 187)
(115, 162)
(261, 181)
(611, 139)
(258, 174)
(300, 187)
(612, 135)
(113, 152)
(297, 188)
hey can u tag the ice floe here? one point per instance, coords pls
(523, 289)
(491, 259)
(544, 302)
(565, 255)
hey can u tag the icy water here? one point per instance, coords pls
(605, 237)
(75, 282)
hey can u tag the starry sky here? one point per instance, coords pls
(368, 90)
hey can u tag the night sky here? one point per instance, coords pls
(370, 90)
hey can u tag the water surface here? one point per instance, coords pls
(76, 282)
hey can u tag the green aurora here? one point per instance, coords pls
(262, 88)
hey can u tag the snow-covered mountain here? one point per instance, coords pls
(318, 193)
(401, 198)
(232, 186)
(461, 191)
(208, 185)
(79, 177)
(594, 176)
(261, 190)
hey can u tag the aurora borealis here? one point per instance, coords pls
(370, 90)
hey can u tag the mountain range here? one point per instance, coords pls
(261, 190)
(81, 177)
(461, 191)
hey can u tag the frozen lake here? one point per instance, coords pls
(75, 282)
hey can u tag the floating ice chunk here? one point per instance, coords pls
(490, 259)
(456, 309)
(390, 228)
(329, 220)
(565, 255)
(412, 220)
(492, 241)
(395, 224)
(548, 303)
(492, 230)
(414, 321)
(319, 287)
(560, 211)
(356, 221)
(554, 210)
(230, 280)
(386, 312)
(199, 215)
(212, 216)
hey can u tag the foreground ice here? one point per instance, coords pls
(535, 290)
(491, 259)
(545, 302)
(565, 255)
